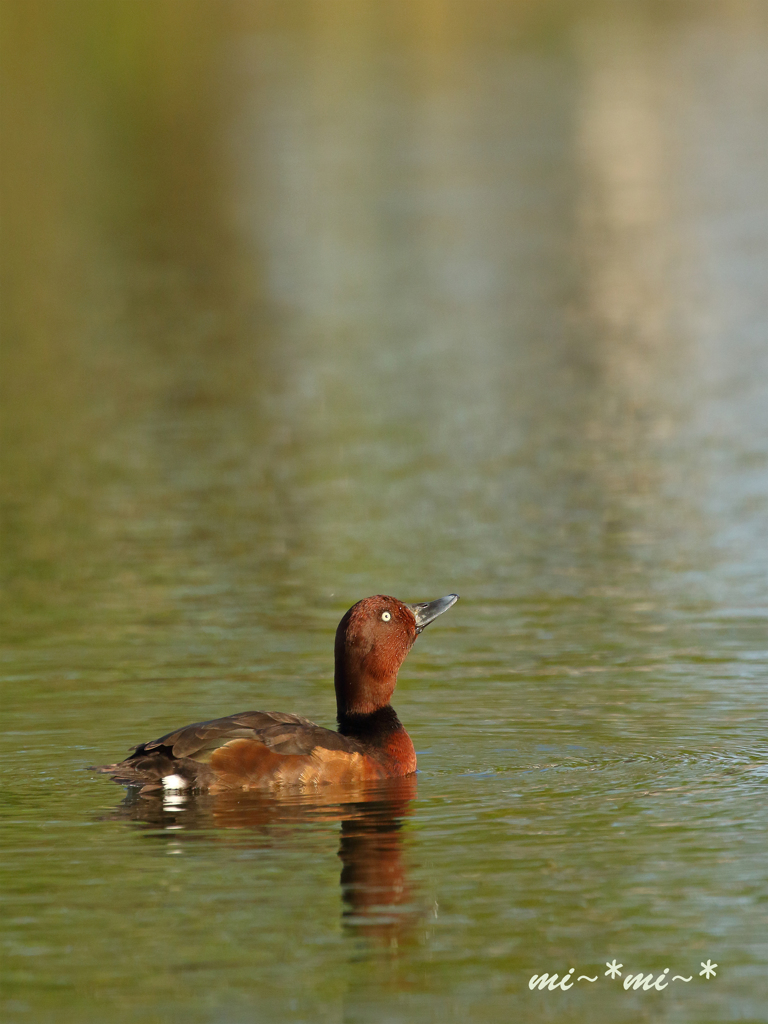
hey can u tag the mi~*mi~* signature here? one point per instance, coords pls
(640, 981)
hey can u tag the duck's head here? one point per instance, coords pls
(372, 641)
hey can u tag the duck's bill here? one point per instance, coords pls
(428, 611)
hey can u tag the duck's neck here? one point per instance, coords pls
(384, 737)
(369, 727)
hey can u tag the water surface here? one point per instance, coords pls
(311, 301)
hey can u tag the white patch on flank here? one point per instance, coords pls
(175, 782)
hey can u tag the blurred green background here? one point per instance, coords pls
(303, 301)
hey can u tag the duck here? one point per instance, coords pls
(273, 751)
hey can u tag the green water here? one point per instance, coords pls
(308, 301)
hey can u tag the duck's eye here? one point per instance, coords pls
(385, 616)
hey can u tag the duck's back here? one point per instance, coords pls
(250, 750)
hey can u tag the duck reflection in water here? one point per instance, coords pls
(378, 900)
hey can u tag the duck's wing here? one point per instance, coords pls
(253, 749)
(279, 732)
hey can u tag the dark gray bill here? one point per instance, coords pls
(427, 611)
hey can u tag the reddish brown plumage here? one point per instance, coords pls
(270, 750)
(369, 652)
(248, 764)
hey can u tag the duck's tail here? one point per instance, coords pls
(146, 769)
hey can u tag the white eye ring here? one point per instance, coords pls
(386, 616)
